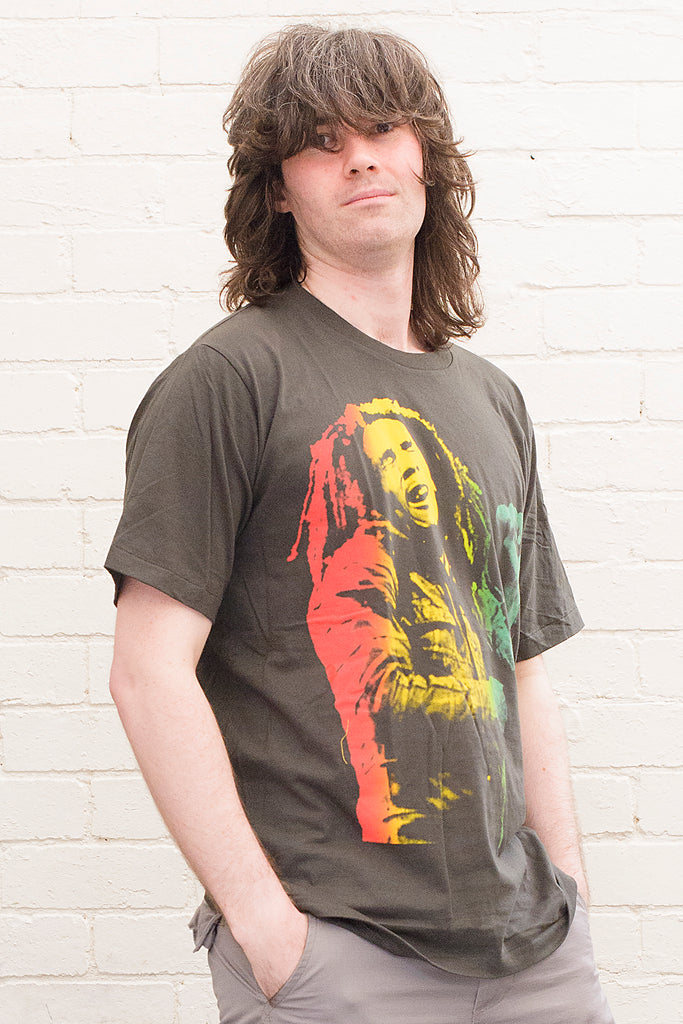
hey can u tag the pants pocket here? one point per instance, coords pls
(204, 925)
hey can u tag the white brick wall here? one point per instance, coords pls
(112, 169)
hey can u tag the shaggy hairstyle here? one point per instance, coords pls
(305, 76)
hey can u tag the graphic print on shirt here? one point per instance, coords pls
(404, 618)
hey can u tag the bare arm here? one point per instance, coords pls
(549, 801)
(181, 753)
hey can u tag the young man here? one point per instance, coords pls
(335, 579)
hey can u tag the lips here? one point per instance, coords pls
(375, 193)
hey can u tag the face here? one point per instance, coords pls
(402, 469)
(356, 194)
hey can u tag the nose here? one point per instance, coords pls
(359, 154)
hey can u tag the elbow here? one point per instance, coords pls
(122, 682)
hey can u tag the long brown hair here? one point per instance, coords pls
(307, 75)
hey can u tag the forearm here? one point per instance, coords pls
(178, 744)
(181, 753)
(549, 800)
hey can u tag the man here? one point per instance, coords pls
(378, 855)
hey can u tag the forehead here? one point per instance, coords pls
(385, 434)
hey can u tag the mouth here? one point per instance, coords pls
(418, 494)
(375, 193)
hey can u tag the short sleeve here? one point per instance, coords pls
(191, 460)
(548, 612)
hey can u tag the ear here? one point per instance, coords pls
(279, 197)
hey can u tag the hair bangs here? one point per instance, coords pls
(305, 77)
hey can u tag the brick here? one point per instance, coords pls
(173, 8)
(488, 49)
(660, 808)
(592, 665)
(41, 9)
(42, 944)
(610, 184)
(662, 246)
(604, 803)
(635, 873)
(111, 875)
(73, 467)
(100, 524)
(616, 940)
(124, 809)
(605, 48)
(507, 187)
(41, 537)
(35, 124)
(131, 123)
(148, 261)
(43, 672)
(66, 194)
(514, 117)
(145, 944)
(33, 263)
(578, 6)
(85, 329)
(43, 740)
(660, 660)
(628, 458)
(633, 1002)
(620, 525)
(513, 322)
(79, 53)
(192, 316)
(306, 8)
(100, 653)
(664, 390)
(660, 116)
(56, 605)
(663, 942)
(39, 400)
(194, 192)
(196, 1002)
(210, 53)
(110, 397)
(559, 390)
(591, 320)
(43, 809)
(556, 254)
(622, 734)
(89, 1003)
(629, 596)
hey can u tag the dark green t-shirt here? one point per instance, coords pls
(366, 531)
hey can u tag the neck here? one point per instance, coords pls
(377, 303)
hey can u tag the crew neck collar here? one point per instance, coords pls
(353, 336)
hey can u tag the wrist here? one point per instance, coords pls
(260, 908)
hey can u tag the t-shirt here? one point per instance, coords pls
(365, 529)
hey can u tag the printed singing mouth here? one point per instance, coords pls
(418, 494)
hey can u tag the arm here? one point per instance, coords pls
(549, 801)
(181, 753)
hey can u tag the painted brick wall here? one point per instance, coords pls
(112, 169)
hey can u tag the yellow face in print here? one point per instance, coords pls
(402, 469)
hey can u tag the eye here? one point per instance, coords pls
(325, 139)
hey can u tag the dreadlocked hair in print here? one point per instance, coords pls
(339, 494)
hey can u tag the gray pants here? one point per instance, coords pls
(344, 979)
